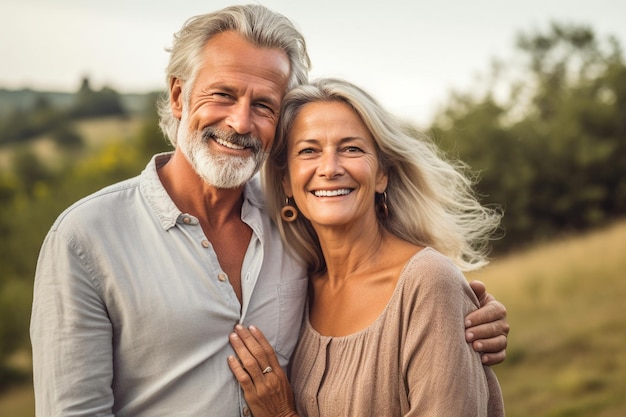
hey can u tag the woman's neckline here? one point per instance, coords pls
(380, 317)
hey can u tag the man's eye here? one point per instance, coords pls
(264, 108)
(222, 95)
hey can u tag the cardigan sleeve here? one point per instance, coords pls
(443, 375)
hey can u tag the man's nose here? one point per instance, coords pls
(239, 118)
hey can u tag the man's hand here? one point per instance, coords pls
(486, 328)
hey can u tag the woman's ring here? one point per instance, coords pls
(267, 370)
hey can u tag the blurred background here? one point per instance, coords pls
(531, 95)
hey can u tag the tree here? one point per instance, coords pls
(90, 103)
(552, 150)
(24, 124)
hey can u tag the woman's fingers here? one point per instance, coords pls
(265, 385)
(255, 353)
(251, 355)
(270, 354)
(240, 374)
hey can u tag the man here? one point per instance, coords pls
(139, 285)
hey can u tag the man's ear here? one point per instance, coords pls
(176, 97)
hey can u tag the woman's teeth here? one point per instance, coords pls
(331, 193)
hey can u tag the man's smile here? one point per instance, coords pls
(229, 145)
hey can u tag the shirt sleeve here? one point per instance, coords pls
(444, 375)
(71, 334)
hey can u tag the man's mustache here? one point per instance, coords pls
(247, 141)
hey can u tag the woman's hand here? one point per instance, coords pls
(486, 328)
(264, 383)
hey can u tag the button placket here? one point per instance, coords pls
(191, 221)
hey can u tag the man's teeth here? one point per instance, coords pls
(331, 193)
(229, 144)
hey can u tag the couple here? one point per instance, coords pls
(139, 285)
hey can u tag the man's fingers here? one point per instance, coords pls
(491, 359)
(494, 330)
(479, 289)
(493, 345)
(493, 311)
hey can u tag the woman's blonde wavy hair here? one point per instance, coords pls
(430, 197)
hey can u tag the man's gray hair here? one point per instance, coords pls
(258, 24)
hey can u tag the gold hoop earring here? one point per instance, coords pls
(289, 213)
(381, 205)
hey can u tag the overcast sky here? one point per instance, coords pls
(408, 53)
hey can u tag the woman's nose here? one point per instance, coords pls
(330, 166)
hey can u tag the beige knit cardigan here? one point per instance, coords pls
(412, 361)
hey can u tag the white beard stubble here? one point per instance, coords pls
(218, 170)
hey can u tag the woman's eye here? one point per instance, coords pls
(307, 152)
(353, 149)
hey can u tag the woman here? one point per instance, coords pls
(385, 224)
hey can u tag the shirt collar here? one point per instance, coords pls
(153, 191)
(167, 212)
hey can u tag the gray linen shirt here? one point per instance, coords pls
(131, 310)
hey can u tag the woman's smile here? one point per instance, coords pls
(332, 193)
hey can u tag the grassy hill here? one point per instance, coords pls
(566, 354)
(565, 301)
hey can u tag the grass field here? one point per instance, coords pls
(566, 302)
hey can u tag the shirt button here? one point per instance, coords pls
(186, 220)
(222, 277)
(246, 411)
(205, 243)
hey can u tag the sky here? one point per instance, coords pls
(408, 53)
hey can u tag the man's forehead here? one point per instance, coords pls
(230, 49)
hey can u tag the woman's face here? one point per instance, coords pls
(333, 171)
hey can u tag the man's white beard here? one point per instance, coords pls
(218, 170)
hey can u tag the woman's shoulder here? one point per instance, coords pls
(429, 259)
(431, 281)
(429, 270)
